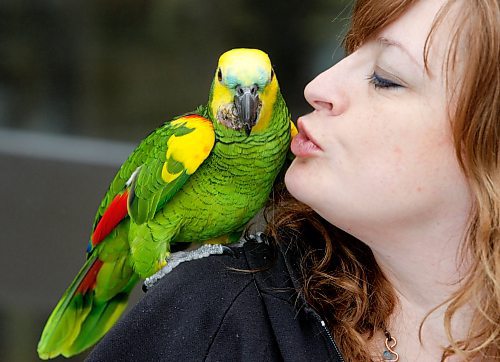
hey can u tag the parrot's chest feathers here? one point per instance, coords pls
(243, 170)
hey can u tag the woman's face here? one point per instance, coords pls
(377, 150)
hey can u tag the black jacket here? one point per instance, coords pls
(214, 309)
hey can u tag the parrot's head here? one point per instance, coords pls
(244, 90)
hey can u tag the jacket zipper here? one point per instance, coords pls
(307, 308)
(329, 335)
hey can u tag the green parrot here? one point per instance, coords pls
(198, 178)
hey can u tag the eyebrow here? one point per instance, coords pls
(389, 42)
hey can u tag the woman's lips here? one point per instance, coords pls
(302, 145)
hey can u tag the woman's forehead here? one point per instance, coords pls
(415, 31)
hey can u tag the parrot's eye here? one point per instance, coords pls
(272, 74)
(219, 75)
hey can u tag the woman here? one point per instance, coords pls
(398, 164)
(407, 162)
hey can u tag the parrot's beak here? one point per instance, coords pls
(247, 103)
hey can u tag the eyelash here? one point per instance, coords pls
(383, 83)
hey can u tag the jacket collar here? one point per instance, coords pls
(277, 277)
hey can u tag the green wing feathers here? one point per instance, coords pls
(145, 192)
(188, 143)
(152, 149)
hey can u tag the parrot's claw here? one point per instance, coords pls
(228, 251)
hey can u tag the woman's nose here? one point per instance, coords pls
(326, 93)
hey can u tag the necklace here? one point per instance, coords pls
(390, 354)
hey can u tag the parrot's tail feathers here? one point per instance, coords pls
(99, 320)
(63, 325)
(88, 308)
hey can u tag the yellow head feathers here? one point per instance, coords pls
(244, 90)
(246, 67)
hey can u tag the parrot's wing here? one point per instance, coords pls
(98, 295)
(153, 173)
(154, 183)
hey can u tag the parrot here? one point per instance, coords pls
(198, 178)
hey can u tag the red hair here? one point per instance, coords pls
(341, 278)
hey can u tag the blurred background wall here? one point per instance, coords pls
(81, 82)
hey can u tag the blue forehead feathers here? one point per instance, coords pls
(246, 78)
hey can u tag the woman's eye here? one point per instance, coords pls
(379, 82)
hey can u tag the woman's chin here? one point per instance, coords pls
(298, 180)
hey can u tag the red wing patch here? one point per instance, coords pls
(192, 116)
(89, 280)
(116, 212)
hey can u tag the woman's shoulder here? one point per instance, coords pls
(219, 274)
(241, 299)
(204, 303)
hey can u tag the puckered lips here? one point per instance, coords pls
(302, 144)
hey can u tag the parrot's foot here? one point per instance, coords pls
(182, 256)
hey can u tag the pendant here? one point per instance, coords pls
(390, 354)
